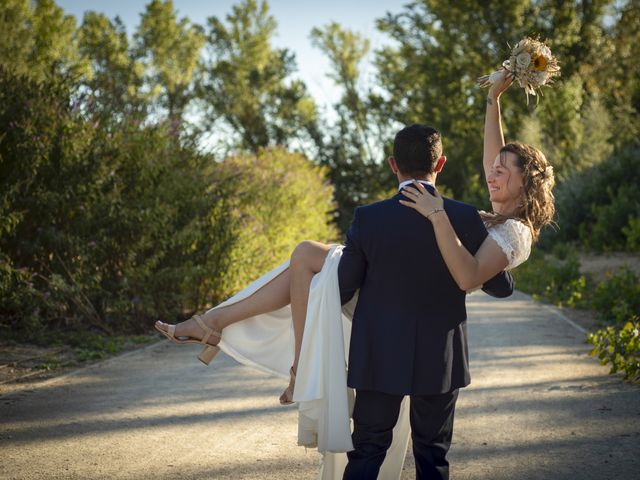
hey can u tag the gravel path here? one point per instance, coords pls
(538, 408)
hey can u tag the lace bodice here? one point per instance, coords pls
(514, 238)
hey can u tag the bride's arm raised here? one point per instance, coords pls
(493, 136)
(467, 270)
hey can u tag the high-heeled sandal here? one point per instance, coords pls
(209, 352)
(287, 396)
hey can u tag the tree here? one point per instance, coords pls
(15, 35)
(619, 74)
(247, 87)
(171, 49)
(441, 49)
(575, 126)
(116, 79)
(429, 75)
(355, 160)
(38, 39)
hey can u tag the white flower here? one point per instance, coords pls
(539, 78)
(523, 60)
(545, 52)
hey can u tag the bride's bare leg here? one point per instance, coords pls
(272, 296)
(306, 260)
(291, 286)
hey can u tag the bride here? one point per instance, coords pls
(254, 326)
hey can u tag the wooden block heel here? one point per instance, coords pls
(208, 354)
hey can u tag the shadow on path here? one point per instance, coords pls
(538, 408)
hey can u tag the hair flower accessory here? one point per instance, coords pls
(530, 63)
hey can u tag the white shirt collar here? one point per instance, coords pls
(407, 182)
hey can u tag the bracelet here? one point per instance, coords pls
(435, 211)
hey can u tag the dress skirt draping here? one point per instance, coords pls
(324, 401)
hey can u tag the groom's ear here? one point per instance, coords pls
(393, 164)
(440, 163)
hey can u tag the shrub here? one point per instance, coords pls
(606, 232)
(281, 200)
(617, 301)
(595, 204)
(617, 298)
(109, 226)
(632, 233)
(550, 278)
(619, 346)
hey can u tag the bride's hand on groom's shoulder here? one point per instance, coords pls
(429, 205)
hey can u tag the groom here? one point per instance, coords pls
(409, 333)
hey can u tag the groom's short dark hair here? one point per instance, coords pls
(417, 149)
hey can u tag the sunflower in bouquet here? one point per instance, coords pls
(530, 63)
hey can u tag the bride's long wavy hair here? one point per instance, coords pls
(537, 208)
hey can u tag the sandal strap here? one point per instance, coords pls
(171, 331)
(208, 331)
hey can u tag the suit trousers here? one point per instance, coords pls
(374, 416)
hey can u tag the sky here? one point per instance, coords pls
(295, 20)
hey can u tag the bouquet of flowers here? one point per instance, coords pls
(530, 63)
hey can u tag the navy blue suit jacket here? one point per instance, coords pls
(409, 334)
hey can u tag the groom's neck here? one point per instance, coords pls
(404, 178)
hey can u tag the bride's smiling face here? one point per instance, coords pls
(505, 179)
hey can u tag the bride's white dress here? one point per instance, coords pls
(266, 342)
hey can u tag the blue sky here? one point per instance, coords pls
(295, 21)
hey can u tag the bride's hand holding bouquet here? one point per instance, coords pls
(502, 81)
(530, 63)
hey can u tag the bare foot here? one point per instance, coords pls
(287, 396)
(190, 329)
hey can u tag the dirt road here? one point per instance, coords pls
(538, 408)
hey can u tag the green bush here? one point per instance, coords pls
(552, 279)
(279, 203)
(594, 205)
(617, 301)
(619, 346)
(108, 226)
(93, 216)
(632, 233)
(617, 298)
(606, 232)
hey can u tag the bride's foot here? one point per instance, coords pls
(194, 330)
(191, 329)
(287, 396)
